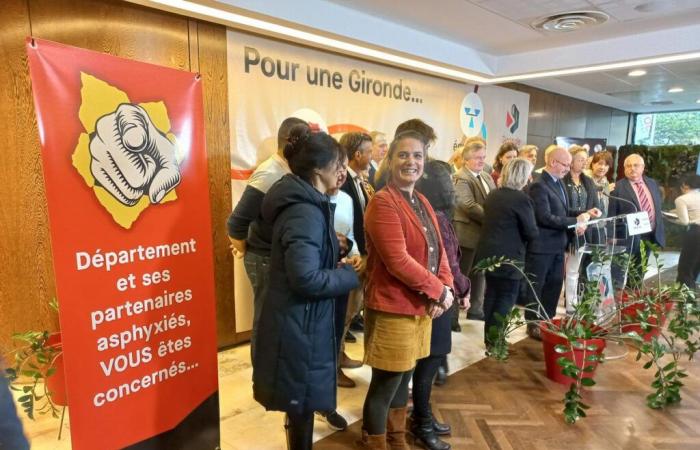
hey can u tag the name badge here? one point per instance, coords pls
(638, 223)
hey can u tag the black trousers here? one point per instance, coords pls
(547, 276)
(423, 375)
(341, 307)
(501, 295)
(689, 262)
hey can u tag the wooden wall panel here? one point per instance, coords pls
(571, 117)
(26, 273)
(542, 113)
(554, 115)
(619, 128)
(212, 66)
(121, 29)
(115, 27)
(598, 119)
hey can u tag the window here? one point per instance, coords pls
(673, 128)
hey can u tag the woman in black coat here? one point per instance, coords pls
(509, 224)
(295, 371)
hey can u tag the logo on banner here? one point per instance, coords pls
(513, 118)
(471, 115)
(127, 154)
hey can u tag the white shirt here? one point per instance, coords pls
(357, 179)
(375, 164)
(268, 172)
(343, 218)
(688, 208)
(480, 177)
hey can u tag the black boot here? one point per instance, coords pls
(300, 432)
(422, 429)
(440, 376)
(441, 429)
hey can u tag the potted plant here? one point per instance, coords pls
(576, 342)
(37, 371)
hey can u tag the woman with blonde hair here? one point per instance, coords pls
(507, 212)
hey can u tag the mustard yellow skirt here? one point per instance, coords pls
(394, 342)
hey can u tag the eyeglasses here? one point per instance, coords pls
(566, 166)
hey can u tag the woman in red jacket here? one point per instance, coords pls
(409, 283)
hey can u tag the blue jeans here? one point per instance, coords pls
(258, 269)
(11, 434)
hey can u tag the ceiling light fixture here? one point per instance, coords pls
(236, 20)
(675, 90)
(697, 101)
(637, 73)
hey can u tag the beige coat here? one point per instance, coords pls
(469, 210)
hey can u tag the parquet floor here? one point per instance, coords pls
(512, 405)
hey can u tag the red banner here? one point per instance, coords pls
(126, 181)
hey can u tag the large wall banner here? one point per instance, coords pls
(270, 80)
(126, 182)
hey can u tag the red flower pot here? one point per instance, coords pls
(550, 340)
(629, 313)
(56, 383)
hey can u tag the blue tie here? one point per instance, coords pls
(561, 189)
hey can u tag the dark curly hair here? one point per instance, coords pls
(307, 151)
(437, 186)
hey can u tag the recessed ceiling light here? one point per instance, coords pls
(637, 73)
(675, 90)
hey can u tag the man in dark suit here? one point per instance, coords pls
(472, 185)
(545, 256)
(636, 193)
(358, 147)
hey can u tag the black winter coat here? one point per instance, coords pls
(509, 217)
(294, 368)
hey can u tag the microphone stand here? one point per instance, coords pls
(622, 350)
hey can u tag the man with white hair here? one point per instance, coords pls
(379, 149)
(635, 193)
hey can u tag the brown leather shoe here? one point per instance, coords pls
(373, 441)
(348, 363)
(345, 381)
(396, 429)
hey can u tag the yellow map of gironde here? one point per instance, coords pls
(100, 98)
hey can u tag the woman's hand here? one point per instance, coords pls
(436, 309)
(449, 299)
(464, 302)
(358, 263)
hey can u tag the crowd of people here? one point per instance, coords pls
(371, 227)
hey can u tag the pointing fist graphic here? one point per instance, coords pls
(131, 157)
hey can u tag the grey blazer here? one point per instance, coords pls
(469, 209)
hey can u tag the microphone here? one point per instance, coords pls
(600, 189)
